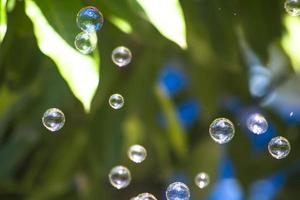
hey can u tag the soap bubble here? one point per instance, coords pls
(202, 180)
(137, 153)
(121, 56)
(279, 147)
(86, 42)
(116, 101)
(53, 119)
(292, 7)
(119, 177)
(89, 19)
(257, 124)
(221, 130)
(145, 196)
(178, 191)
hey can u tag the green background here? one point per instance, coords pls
(74, 162)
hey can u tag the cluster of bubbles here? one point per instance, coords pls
(292, 7)
(89, 21)
(120, 176)
(222, 131)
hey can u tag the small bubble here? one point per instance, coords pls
(178, 191)
(137, 153)
(291, 114)
(116, 101)
(145, 196)
(121, 56)
(89, 19)
(292, 7)
(202, 180)
(86, 42)
(119, 177)
(279, 147)
(257, 124)
(221, 130)
(53, 119)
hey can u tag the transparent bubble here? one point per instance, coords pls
(257, 124)
(145, 196)
(53, 119)
(121, 56)
(279, 147)
(178, 191)
(119, 177)
(137, 153)
(89, 19)
(116, 101)
(292, 7)
(86, 42)
(202, 180)
(221, 130)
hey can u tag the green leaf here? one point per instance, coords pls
(176, 134)
(3, 20)
(167, 17)
(291, 40)
(81, 72)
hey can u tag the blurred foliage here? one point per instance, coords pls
(41, 69)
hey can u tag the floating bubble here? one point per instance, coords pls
(121, 56)
(202, 180)
(178, 191)
(279, 147)
(257, 124)
(221, 130)
(145, 196)
(86, 42)
(119, 177)
(89, 19)
(137, 153)
(53, 119)
(116, 101)
(292, 7)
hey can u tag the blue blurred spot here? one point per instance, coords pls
(188, 113)
(266, 189)
(172, 80)
(226, 187)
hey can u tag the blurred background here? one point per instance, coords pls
(192, 61)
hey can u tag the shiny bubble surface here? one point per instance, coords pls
(178, 191)
(121, 56)
(257, 124)
(116, 101)
(145, 196)
(221, 130)
(89, 19)
(53, 119)
(137, 153)
(279, 147)
(292, 7)
(119, 177)
(86, 42)
(202, 180)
